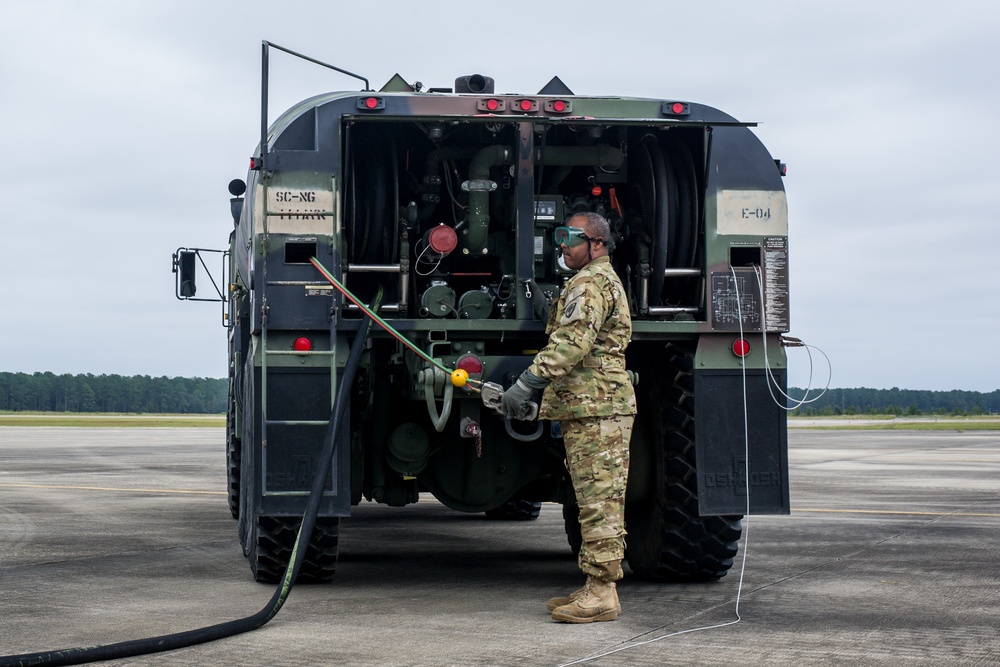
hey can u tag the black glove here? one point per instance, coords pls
(515, 401)
(539, 302)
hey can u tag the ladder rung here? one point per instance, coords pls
(374, 268)
(296, 422)
(387, 308)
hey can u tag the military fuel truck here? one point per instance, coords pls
(436, 207)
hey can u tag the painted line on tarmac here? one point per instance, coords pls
(895, 512)
(113, 488)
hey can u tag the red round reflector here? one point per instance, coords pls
(471, 364)
(596, 191)
(741, 348)
(492, 105)
(559, 105)
(371, 102)
(525, 105)
(302, 345)
(677, 107)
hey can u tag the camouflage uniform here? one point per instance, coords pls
(591, 395)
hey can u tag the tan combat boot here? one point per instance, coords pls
(559, 602)
(598, 602)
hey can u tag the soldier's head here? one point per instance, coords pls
(579, 248)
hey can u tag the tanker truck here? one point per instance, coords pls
(435, 208)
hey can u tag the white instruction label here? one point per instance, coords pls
(753, 212)
(296, 211)
(299, 204)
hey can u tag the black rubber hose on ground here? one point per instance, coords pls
(77, 656)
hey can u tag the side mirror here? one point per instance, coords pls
(185, 260)
(185, 268)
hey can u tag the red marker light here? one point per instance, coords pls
(676, 108)
(558, 106)
(596, 191)
(302, 344)
(741, 348)
(525, 105)
(491, 104)
(371, 103)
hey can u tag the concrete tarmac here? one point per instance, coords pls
(889, 557)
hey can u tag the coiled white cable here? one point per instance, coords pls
(772, 382)
(420, 258)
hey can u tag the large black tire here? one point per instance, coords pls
(270, 548)
(668, 540)
(234, 457)
(571, 521)
(516, 510)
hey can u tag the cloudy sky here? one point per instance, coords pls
(123, 122)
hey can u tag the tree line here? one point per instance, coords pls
(47, 392)
(897, 401)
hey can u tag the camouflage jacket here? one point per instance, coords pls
(589, 329)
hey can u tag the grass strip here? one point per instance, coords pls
(889, 425)
(104, 420)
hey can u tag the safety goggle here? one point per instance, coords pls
(570, 236)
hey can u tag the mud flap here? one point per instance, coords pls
(722, 444)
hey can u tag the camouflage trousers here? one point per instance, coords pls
(597, 459)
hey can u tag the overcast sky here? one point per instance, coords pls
(123, 122)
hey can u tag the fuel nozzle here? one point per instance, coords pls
(491, 393)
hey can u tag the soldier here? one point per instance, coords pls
(586, 388)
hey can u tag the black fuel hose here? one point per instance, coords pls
(661, 219)
(84, 654)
